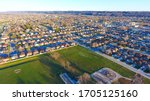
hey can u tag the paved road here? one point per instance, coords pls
(119, 62)
(137, 51)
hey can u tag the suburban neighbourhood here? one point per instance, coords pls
(124, 40)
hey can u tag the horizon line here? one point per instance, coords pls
(74, 11)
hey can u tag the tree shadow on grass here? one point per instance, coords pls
(54, 80)
(54, 68)
(77, 67)
(20, 81)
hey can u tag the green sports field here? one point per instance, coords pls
(87, 61)
(35, 70)
(43, 69)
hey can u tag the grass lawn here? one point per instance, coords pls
(89, 62)
(37, 70)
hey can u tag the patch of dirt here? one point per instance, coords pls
(122, 80)
(17, 71)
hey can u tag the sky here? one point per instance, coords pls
(74, 5)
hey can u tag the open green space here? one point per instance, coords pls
(42, 69)
(90, 62)
(35, 70)
(87, 61)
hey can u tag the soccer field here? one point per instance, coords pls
(35, 70)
